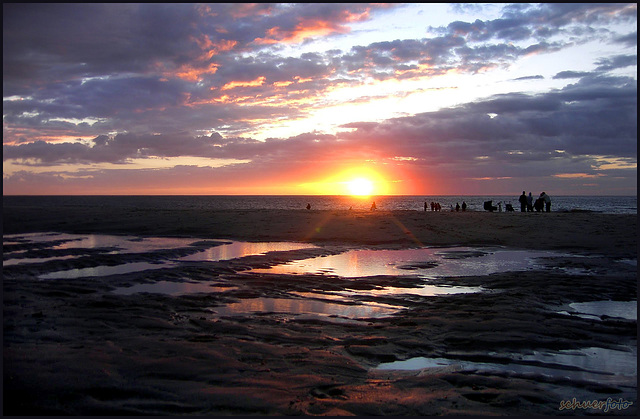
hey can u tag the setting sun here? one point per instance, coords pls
(356, 181)
(360, 187)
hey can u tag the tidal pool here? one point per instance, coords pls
(424, 262)
(213, 250)
(112, 245)
(172, 288)
(121, 244)
(623, 309)
(307, 308)
(595, 364)
(10, 262)
(124, 268)
(238, 249)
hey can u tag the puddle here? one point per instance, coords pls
(172, 288)
(106, 270)
(10, 262)
(307, 308)
(124, 244)
(425, 290)
(424, 262)
(132, 244)
(421, 290)
(591, 364)
(111, 244)
(241, 249)
(624, 309)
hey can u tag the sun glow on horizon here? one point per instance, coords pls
(357, 182)
(360, 187)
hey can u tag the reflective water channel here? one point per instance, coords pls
(425, 263)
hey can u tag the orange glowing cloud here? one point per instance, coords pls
(212, 48)
(307, 28)
(194, 74)
(241, 10)
(253, 83)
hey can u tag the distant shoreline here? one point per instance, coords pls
(301, 195)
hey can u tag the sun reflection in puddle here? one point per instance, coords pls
(236, 249)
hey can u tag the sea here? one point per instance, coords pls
(600, 204)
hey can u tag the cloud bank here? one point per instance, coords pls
(92, 91)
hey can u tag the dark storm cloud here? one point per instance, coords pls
(138, 64)
(141, 57)
(48, 43)
(383, 60)
(596, 116)
(99, 98)
(122, 148)
(631, 40)
(523, 21)
(619, 61)
(568, 74)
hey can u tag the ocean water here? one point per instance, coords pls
(603, 204)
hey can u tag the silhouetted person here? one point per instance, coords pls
(425, 206)
(547, 201)
(539, 204)
(373, 206)
(308, 206)
(457, 207)
(529, 203)
(464, 206)
(523, 202)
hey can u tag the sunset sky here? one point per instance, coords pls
(283, 98)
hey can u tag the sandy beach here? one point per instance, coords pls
(74, 347)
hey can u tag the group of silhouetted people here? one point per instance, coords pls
(435, 206)
(543, 202)
(464, 206)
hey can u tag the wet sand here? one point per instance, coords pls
(74, 347)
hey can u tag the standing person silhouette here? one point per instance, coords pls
(373, 206)
(523, 202)
(529, 203)
(547, 201)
